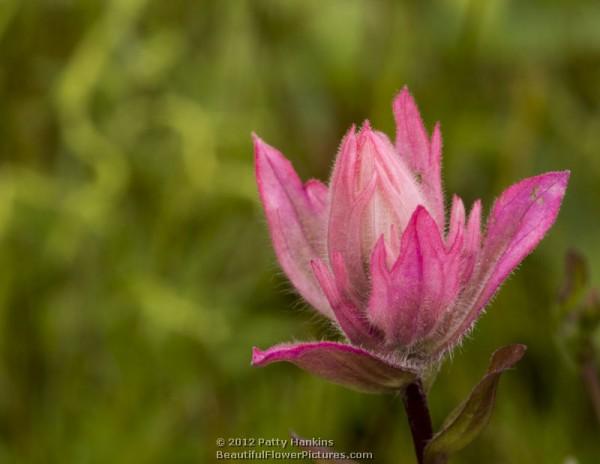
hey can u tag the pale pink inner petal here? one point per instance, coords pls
(373, 193)
(348, 199)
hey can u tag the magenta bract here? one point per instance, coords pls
(374, 253)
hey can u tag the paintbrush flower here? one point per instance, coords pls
(374, 253)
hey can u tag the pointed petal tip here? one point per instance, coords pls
(564, 176)
(261, 149)
(426, 227)
(405, 91)
(379, 255)
(366, 132)
(414, 218)
(257, 142)
(560, 177)
(521, 348)
(258, 356)
(347, 140)
(403, 97)
(270, 159)
(422, 214)
(552, 185)
(436, 141)
(474, 221)
(351, 132)
(506, 357)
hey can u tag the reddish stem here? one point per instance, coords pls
(415, 404)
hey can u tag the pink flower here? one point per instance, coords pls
(373, 253)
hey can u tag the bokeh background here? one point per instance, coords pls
(136, 271)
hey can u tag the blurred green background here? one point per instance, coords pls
(136, 271)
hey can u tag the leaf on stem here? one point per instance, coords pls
(463, 425)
